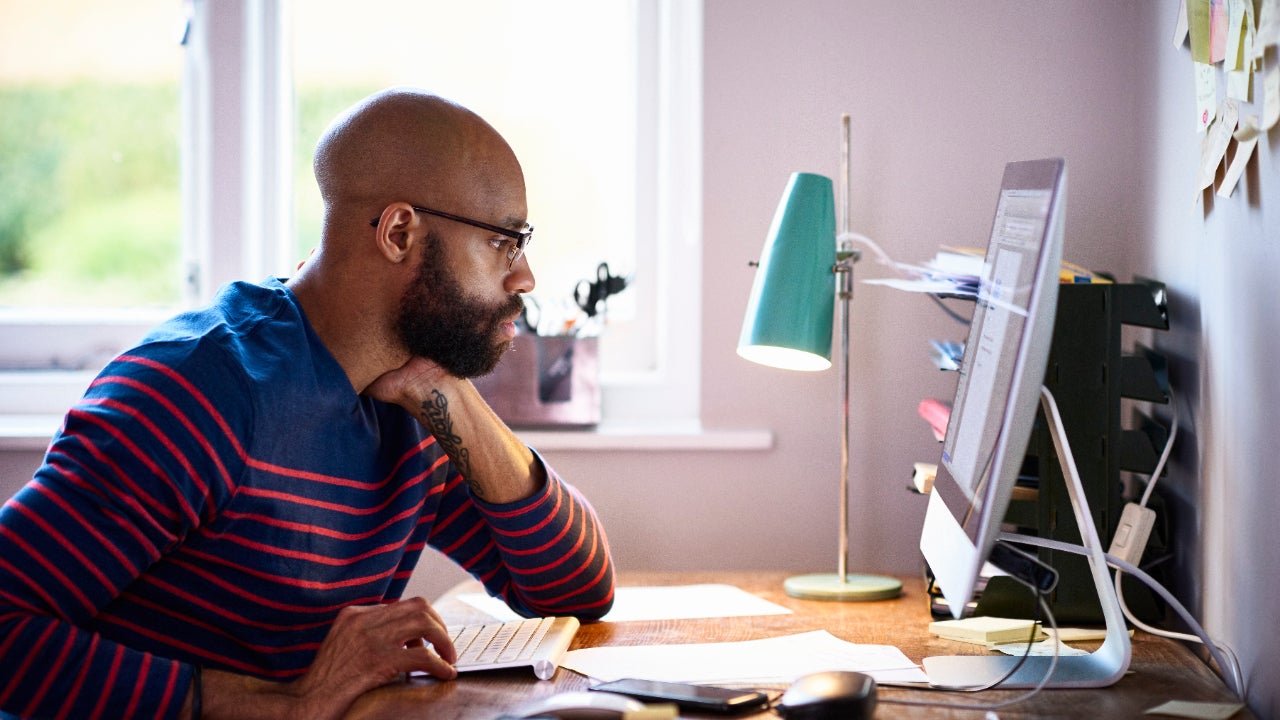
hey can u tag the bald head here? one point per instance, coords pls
(407, 145)
(396, 149)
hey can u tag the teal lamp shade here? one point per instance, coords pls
(789, 315)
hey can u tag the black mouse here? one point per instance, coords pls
(831, 695)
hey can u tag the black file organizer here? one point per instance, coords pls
(1090, 376)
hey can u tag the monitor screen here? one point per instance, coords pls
(1001, 374)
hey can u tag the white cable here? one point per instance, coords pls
(1234, 667)
(881, 255)
(1236, 686)
(1053, 664)
(1164, 456)
(1233, 663)
(1146, 497)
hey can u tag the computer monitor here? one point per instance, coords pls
(1000, 378)
(999, 388)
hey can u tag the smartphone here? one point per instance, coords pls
(687, 696)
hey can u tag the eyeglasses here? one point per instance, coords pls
(520, 237)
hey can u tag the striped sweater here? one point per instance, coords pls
(219, 494)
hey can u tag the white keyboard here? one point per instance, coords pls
(538, 643)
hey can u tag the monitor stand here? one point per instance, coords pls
(1100, 668)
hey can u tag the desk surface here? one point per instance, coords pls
(1161, 669)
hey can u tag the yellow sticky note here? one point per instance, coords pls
(1200, 29)
(1197, 710)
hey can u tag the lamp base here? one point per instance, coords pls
(827, 586)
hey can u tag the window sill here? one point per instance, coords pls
(20, 432)
(27, 432)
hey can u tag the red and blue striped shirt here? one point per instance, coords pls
(217, 496)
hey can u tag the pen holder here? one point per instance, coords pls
(546, 382)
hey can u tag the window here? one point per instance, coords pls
(89, 212)
(610, 150)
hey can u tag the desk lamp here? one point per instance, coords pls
(788, 326)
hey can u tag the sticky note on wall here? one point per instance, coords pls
(1206, 95)
(1200, 29)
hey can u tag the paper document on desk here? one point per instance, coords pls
(778, 660)
(677, 602)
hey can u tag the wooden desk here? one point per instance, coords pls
(1161, 669)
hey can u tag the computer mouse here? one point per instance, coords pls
(583, 705)
(830, 695)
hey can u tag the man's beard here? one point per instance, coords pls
(440, 322)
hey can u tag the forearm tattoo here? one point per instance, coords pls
(440, 422)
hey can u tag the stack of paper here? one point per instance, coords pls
(963, 267)
(773, 661)
(984, 630)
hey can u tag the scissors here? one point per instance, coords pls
(590, 296)
(557, 319)
(531, 315)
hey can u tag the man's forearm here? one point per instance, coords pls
(227, 696)
(496, 465)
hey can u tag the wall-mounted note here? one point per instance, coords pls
(1200, 29)
(1217, 30)
(1271, 98)
(1246, 140)
(1206, 95)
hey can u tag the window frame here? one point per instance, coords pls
(237, 209)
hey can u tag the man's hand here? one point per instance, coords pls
(371, 645)
(368, 646)
(408, 384)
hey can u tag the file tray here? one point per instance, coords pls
(546, 382)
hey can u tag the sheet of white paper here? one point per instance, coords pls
(1235, 35)
(1206, 95)
(1181, 27)
(774, 660)
(676, 602)
(921, 286)
(1244, 150)
(1213, 147)
(1271, 98)
(1268, 26)
(1044, 648)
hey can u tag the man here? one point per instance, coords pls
(225, 523)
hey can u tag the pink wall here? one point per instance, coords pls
(939, 102)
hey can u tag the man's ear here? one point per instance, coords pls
(394, 232)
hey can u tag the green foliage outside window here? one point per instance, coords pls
(90, 199)
(89, 195)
